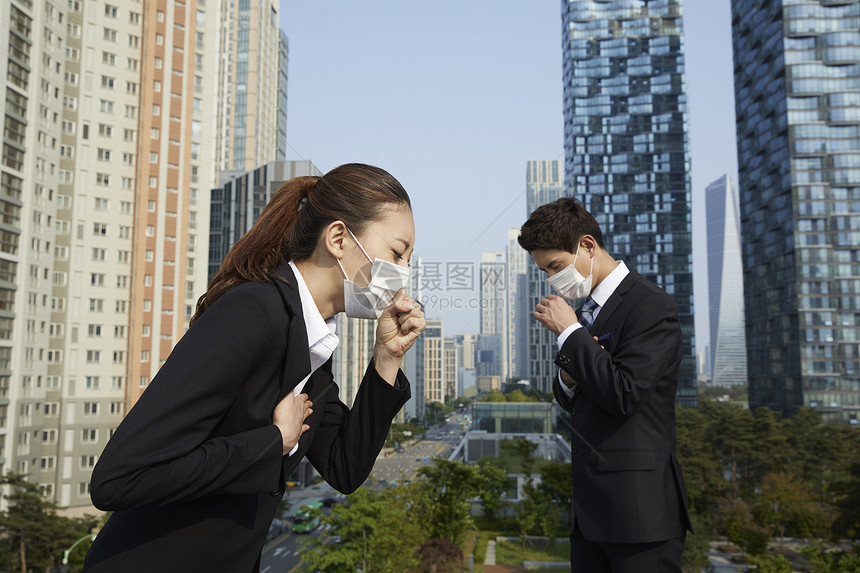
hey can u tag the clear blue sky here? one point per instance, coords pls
(454, 97)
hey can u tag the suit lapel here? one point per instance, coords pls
(297, 364)
(613, 302)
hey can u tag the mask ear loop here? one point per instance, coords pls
(345, 276)
(359, 245)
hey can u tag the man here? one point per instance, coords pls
(618, 357)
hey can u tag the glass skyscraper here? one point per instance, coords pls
(543, 185)
(728, 353)
(625, 141)
(797, 76)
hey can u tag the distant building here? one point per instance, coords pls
(518, 313)
(798, 119)
(413, 363)
(488, 356)
(728, 353)
(543, 185)
(513, 417)
(466, 382)
(493, 306)
(434, 362)
(466, 346)
(450, 365)
(239, 199)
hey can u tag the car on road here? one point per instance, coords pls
(307, 517)
(400, 450)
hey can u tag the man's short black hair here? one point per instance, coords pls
(559, 225)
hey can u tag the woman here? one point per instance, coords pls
(196, 470)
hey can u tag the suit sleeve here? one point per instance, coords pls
(347, 442)
(621, 382)
(163, 451)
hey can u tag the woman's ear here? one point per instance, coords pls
(333, 238)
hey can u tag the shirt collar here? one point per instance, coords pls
(607, 286)
(322, 339)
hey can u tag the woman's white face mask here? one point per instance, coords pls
(370, 301)
(570, 283)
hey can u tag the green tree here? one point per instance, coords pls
(847, 494)
(377, 534)
(492, 483)
(694, 559)
(522, 449)
(729, 433)
(824, 561)
(494, 396)
(702, 466)
(785, 503)
(519, 396)
(447, 487)
(768, 564)
(556, 482)
(537, 514)
(32, 535)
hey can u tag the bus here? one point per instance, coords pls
(307, 517)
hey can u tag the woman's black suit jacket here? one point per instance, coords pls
(195, 472)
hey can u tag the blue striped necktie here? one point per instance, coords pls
(586, 313)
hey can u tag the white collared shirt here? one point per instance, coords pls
(322, 339)
(600, 295)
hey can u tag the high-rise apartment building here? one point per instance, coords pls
(493, 308)
(543, 185)
(517, 313)
(107, 167)
(728, 353)
(625, 140)
(32, 64)
(798, 120)
(434, 361)
(252, 86)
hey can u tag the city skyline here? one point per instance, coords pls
(476, 82)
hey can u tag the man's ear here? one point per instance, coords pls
(333, 238)
(589, 244)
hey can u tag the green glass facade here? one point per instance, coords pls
(625, 141)
(797, 76)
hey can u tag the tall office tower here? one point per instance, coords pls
(728, 351)
(31, 65)
(516, 323)
(543, 185)
(434, 361)
(283, 68)
(413, 362)
(625, 142)
(239, 199)
(451, 368)
(798, 118)
(252, 74)
(493, 303)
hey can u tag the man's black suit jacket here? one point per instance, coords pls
(629, 487)
(195, 472)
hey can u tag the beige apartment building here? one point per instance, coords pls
(109, 131)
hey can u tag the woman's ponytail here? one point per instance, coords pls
(290, 225)
(260, 250)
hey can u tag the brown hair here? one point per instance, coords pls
(290, 225)
(559, 225)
